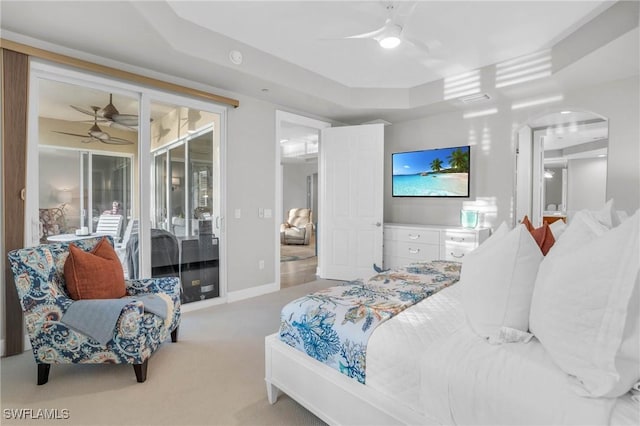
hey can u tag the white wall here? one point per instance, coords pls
(294, 185)
(493, 154)
(250, 178)
(586, 189)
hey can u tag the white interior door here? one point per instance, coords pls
(351, 188)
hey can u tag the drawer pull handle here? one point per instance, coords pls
(458, 240)
(414, 251)
(457, 257)
(414, 237)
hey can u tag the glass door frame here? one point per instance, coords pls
(44, 70)
(168, 166)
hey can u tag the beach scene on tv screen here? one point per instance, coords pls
(432, 173)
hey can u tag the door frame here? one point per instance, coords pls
(284, 116)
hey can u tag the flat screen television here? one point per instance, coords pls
(441, 172)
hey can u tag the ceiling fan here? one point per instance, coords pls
(392, 33)
(95, 133)
(111, 114)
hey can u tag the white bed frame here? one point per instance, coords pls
(330, 395)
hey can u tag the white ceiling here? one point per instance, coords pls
(293, 57)
(461, 35)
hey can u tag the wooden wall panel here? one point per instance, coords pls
(15, 83)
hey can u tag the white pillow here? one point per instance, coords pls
(607, 215)
(583, 310)
(497, 281)
(502, 230)
(557, 228)
(583, 228)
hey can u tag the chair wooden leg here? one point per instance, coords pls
(141, 371)
(43, 373)
(174, 335)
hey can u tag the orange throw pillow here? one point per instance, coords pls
(94, 275)
(528, 224)
(543, 235)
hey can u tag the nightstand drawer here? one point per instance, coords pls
(416, 252)
(456, 250)
(419, 236)
(460, 237)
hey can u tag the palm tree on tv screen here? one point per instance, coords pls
(459, 160)
(436, 165)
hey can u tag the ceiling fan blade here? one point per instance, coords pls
(83, 110)
(101, 136)
(404, 9)
(70, 134)
(417, 44)
(371, 34)
(116, 141)
(99, 120)
(125, 119)
(425, 49)
(117, 125)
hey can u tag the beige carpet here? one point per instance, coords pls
(214, 375)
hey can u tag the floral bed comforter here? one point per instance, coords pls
(334, 325)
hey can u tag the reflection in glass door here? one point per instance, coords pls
(106, 188)
(186, 199)
(85, 162)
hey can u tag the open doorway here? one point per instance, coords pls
(297, 200)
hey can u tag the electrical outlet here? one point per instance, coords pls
(260, 212)
(268, 213)
(238, 213)
(261, 264)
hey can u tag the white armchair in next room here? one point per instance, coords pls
(298, 227)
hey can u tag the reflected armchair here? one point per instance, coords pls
(39, 279)
(298, 227)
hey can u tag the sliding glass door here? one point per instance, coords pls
(187, 199)
(155, 162)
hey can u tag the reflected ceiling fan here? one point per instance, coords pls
(95, 133)
(111, 114)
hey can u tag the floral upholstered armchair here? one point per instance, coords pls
(39, 278)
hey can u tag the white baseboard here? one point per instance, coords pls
(27, 345)
(202, 304)
(234, 296)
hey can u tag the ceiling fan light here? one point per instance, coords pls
(96, 132)
(390, 42)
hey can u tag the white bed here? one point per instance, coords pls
(522, 338)
(422, 369)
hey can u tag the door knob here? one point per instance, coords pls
(378, 224)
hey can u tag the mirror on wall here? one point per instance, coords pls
(567, 160)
